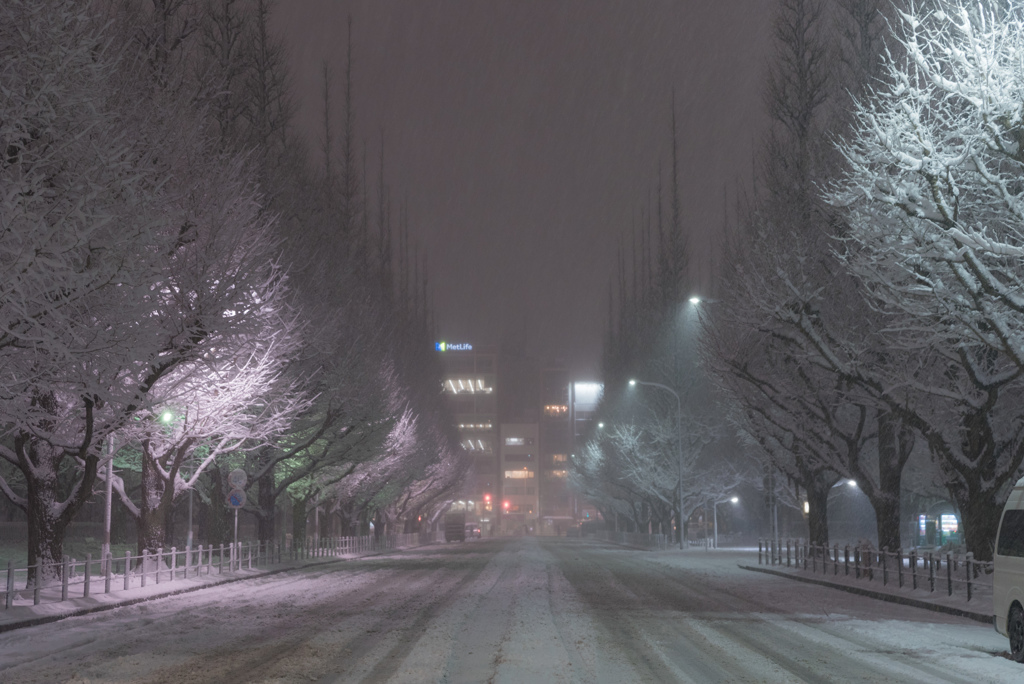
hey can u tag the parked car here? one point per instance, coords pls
(1008, 578)
(473, 531)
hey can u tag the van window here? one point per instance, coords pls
(1011, 534)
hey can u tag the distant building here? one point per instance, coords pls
(556, 502)
(470, 387)
(520, 502)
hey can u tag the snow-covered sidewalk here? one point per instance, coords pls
(979, 608)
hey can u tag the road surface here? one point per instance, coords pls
(513, 610)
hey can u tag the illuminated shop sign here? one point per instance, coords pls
(449, 346)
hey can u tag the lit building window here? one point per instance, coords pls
(466, 386)
(555, 410)
(558, 473)
(475, 426)
(558, 458)
(523, 474)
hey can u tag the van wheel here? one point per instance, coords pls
(1015, 628)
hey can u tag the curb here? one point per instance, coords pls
(881, 596)
(87, 610)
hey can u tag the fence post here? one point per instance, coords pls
(127, 564)
(220, 559)
(250, 555)
(88, 575)
(949, 575)
(856, 562)
(759, 552)
(788, 564)
(199, 562)
(913, 568)
(899, 565)
(65, 571)
(9, 596)
(145, 556)
(846, 559)
(107, 571)
(174, 563)
(885, 566)
(931, 571)
(970, 572)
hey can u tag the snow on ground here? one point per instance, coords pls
(513, 610)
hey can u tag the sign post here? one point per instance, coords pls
(236, 499)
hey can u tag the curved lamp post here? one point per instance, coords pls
(679, 428)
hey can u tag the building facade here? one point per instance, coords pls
(520, 500)
(470, 387)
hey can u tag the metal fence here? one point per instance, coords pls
(915, 568)
(79, 578)
(642, 541)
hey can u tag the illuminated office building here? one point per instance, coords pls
(470, 387)
(520, 503)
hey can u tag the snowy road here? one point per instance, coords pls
(516, 610)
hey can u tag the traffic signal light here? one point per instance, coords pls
(487, 498)
(505, 505)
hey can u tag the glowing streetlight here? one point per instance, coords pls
(714, 509)
(695, 300)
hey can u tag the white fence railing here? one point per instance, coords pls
(914, 568)
(74, 578)
(637, 539)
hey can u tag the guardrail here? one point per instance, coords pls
(636, 539)
(74, 578)
(916, 568)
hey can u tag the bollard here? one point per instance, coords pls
(88, 575)
(759, 552)
(949, 576)
(970, 572)
(931, 572)
(913, 568)
(65, 571)
(846, 559)
(9, 595)
(127, 565)
(788, 564)
(107, 572)
(899, 565)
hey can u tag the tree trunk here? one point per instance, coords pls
(817, 489)
(45, 531)
(895, 442)
(215, 526)
(299, 521)
(266, 519)
(154, 508)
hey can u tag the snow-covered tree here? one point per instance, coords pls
(932, 202)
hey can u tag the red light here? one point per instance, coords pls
(487, 498)
(506, 505)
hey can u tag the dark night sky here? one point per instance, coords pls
(527, 135)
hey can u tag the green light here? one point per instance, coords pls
(167, 417)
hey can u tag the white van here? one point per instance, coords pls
(1008, 580)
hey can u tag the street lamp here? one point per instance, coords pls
(679, 428)
(714, 509)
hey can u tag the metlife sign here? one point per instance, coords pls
(448, 346)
